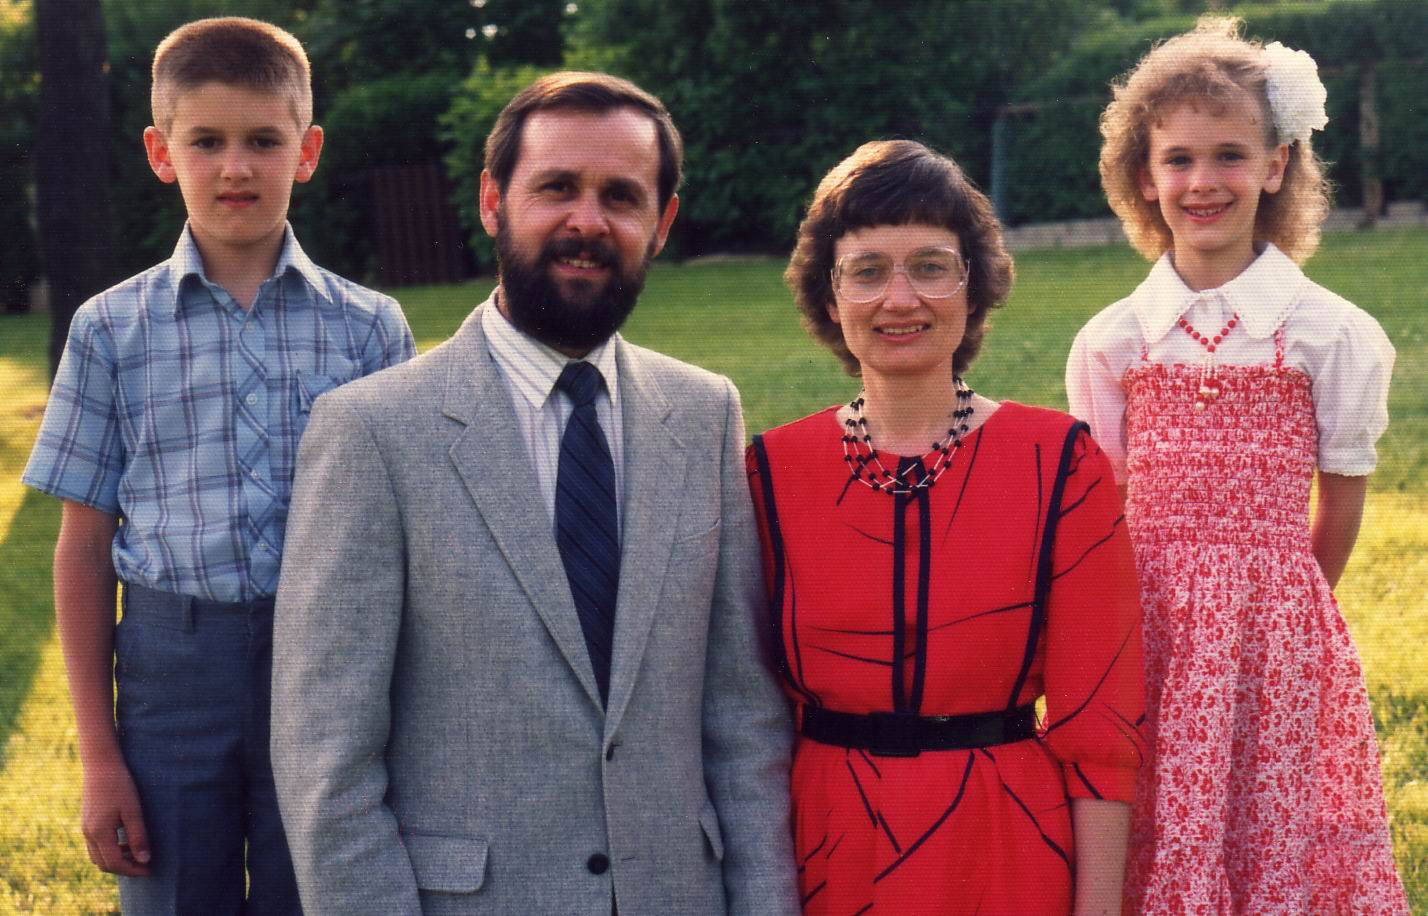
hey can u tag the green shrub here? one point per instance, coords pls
(1053, 147)
(474, 107)
(391, 121)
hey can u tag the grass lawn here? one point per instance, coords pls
(736, 318)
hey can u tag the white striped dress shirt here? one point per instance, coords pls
(530, 369)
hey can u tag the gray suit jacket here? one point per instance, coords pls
(438, 740)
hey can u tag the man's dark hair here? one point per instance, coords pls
(581, 91)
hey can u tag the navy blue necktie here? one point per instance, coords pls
(586, 526)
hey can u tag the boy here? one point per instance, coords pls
(171, 434)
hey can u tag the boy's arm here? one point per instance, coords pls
(84, 609)
(1336, 522)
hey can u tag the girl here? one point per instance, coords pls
(1217, 388)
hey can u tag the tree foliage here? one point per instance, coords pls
(769, 97)
(1055, 142)
(19, 91)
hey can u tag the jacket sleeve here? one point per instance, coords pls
(339, 610)
(748, 728)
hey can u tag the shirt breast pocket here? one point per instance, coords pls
(307, 387)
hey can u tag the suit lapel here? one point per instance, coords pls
(655, 461)
(476, 396)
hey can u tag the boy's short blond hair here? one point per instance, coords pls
(1215, 64)
(233, 51)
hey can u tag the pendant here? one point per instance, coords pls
(1209, 388)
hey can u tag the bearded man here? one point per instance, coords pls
(518, 660)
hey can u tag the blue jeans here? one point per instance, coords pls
(194, 681)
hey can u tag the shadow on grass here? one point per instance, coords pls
(26, 603)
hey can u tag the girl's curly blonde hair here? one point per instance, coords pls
(1216, 63)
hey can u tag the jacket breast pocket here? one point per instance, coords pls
(706, 532)
(447, 864)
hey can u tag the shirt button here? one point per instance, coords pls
(598, 864)
(256, 474)
(251, 399)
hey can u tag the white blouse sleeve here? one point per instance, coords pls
(1351, 374)
(1094, 393)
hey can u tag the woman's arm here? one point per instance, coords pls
(1336, 521)
(1102, 829)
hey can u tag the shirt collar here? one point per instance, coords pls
(186, 262)
(1262, 295)
(531, 366)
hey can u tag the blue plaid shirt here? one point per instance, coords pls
(180, 412)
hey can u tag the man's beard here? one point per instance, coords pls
(536, 305)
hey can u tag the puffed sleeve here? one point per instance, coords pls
(1093, 675)
(1351, 374)
(1094, 393)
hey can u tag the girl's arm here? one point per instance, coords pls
(1102, 829)
(1336, 522)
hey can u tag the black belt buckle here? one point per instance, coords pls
(893, 735)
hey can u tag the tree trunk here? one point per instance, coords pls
(1369, 151)
(76, 229)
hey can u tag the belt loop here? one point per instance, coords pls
(186, 606)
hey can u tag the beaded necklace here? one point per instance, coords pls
(1209, 385)
(862, 457)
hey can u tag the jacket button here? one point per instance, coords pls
(610, 752)
(598, 864)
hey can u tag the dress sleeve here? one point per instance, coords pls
(1093, 674)
(1094, 394)
(1351, 376)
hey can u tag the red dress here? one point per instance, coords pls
(994, 586)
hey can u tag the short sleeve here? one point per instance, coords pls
(79, 454)
(391, 341)
(1094, 394)
(1093, 674)
(1351, 376)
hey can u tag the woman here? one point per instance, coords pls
(922, 601)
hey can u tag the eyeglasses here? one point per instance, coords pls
(936, 273)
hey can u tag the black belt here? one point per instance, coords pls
(890, 734)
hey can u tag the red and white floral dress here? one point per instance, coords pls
(1264, 793)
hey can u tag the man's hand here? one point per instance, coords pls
(111, 803)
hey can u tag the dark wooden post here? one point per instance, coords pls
(76, 229)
